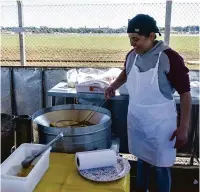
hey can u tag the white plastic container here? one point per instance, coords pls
(93, 86)
(12, 165)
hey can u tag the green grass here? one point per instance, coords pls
(85, 47)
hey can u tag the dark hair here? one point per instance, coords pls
(143, 25)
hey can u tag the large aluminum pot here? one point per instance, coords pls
(93, 137)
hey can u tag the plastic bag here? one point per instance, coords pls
(86, 74)
(72, 76)
(108, 75)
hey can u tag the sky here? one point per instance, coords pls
(96, 13)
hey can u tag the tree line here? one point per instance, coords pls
(43, 29)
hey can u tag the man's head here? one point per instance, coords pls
(142, 31)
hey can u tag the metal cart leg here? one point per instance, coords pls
(53, 101)
(192, 160)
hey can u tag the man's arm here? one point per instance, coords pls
(185, 105)
(179, 78)
(181, 132)
(121, 79)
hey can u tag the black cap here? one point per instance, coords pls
(143, 25)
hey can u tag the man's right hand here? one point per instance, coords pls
(109, 92)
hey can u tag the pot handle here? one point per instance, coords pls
(14, 117)
(12, 149)
(28, 117)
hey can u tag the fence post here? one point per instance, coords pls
(168, 14)
(21, 34)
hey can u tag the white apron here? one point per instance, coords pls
(152, 118)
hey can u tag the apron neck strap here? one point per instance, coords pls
(156, 68)
(134, 62)
(158, 60)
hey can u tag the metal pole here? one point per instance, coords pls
(21, 34)
(168, 14)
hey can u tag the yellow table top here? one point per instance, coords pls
(62, 176)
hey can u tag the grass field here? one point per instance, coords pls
(84, 50)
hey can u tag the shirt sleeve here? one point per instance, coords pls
(127, 57)
(178, 74)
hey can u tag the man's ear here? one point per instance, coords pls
(152, 36)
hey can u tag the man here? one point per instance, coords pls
(152, 72)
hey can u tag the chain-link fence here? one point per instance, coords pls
(90, 34)
(185, 29)
(9, 40)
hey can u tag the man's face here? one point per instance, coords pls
(141, 43)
